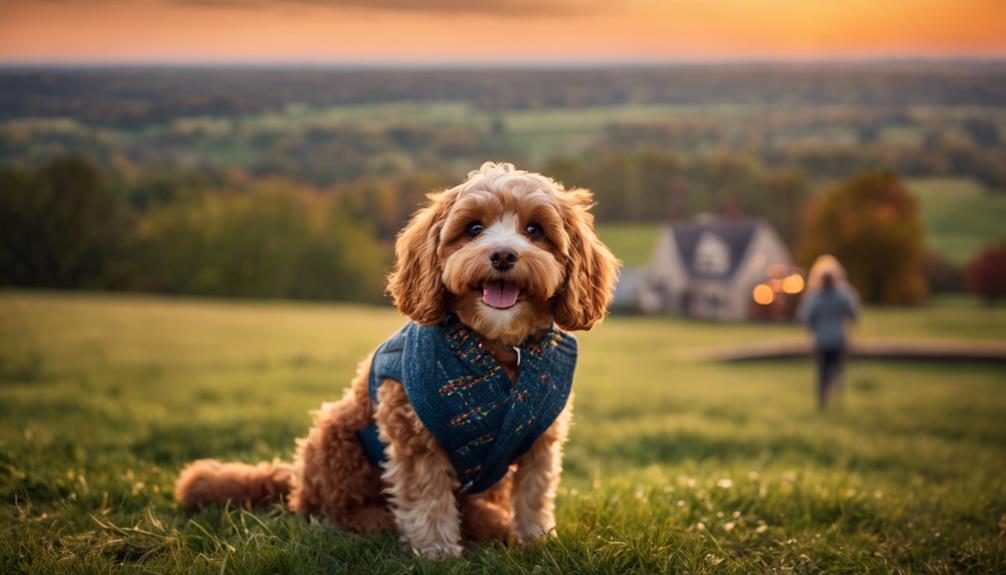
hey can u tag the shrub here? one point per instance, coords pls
(985, 274)
(942, 275)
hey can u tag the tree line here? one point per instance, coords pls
(645, 185)
(65, 224)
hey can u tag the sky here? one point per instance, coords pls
(405, 31)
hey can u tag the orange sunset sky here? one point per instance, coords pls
(360, 31)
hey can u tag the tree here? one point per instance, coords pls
(614, 181)
(727, 182)
(783, 200)
(569, 172)
(984, 132)
(942, 275)
(666, 194)
(274, 241)
(985, 275)
(871, 224)
(60, 225)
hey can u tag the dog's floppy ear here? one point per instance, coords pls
(591, 269)
(414, 283)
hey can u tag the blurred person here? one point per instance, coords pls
(830, 302)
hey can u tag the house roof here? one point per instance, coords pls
(736, 234)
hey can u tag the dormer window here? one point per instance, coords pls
(712, 255)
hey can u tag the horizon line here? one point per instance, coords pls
(508, 63)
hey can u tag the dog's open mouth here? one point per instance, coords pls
(500, 294)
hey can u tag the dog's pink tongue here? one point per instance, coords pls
(500, 294)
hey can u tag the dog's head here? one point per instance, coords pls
(507, 251)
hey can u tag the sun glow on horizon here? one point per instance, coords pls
(445, 30)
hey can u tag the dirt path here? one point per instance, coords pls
(964, 351)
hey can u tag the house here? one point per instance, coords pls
(718, 269)
(631, 283)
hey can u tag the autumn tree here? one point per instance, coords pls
(871, 224)
(985, 275)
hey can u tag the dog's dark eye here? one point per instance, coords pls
(533, 231)
(475, 228)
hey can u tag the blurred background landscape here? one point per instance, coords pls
(286, 181)
(198, 203)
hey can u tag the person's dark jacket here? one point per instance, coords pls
(825, 313)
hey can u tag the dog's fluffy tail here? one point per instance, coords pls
(208, 481)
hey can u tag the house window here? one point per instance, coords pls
(712, 256)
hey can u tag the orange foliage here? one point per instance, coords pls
(871, 224)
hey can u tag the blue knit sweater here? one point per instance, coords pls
(465, 399)
(826, 311)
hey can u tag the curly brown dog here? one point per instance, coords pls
(509, 254)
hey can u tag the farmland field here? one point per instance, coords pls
(633, 243)
(538, 134)
(673, 465)
(960, 215)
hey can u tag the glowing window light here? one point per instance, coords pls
(763, 295)
(793, 284)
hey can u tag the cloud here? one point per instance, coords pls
(485, 7)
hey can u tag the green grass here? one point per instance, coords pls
(673, 466)
(381, 115)
(632, 243)
(960, 215)
(538, 133)
(543, 133)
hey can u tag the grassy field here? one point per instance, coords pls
(674, 465)
(632, 243)
(539, 133)
(960, 215)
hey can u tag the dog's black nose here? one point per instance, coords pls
(503, 259)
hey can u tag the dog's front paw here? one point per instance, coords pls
(526, 534)
(438, 550)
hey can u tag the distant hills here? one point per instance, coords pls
(143, 95)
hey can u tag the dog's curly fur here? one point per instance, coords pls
(564, 274)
